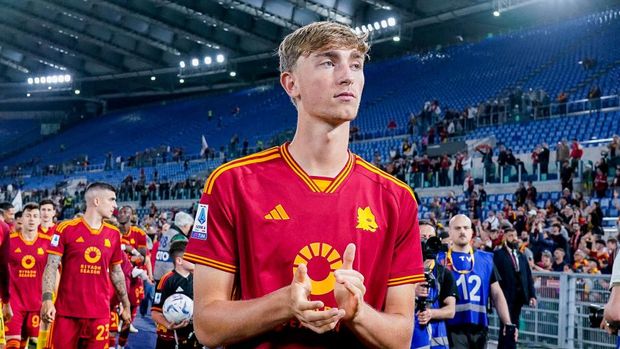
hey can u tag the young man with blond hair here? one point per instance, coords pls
(307, 244)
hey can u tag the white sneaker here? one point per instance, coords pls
(132, 329)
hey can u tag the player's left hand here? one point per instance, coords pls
(7, 312)
(349, 290)
(126, 317)
(424, 317)
(516, 333)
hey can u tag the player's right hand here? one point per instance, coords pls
(181, 324)
(307, 312)
(7, 312)
(421, 290)
(48, 311)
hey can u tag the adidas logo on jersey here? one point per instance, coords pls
(80, 239)
(277, 214)
(179, 289)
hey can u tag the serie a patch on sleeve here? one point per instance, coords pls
(55, 240)
(199, 231)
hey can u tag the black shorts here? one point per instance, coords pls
(468, 337)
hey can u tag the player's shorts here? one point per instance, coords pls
(114, 320)
(2, 338)
(68, 332)
(24, 324)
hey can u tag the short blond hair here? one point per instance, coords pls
(319, 36)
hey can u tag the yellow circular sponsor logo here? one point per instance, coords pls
(28, 262)
(92, 255)
(322, 260)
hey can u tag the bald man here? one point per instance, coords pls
(476, 279)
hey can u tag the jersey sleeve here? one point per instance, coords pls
(212, 240)
(161, 293)
(117, 254)
(140, 238)
(448, 284)
(57, 244)
(407, 266)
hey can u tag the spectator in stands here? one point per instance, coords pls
(612, 249)
(458, 167)
(492, 220)
(391, 126)
(445, 164)
(562, 99)
(614, 151)
(596, 215)
(468, 185)
(472, 114)
(580, 261)
(566, 176)
(543, 158)
(521, 194)
(545, 263)
(487, 160)
(594, 98)
(562, 151)
(532, 193)
(482, 194)
(600, 183)
(502, 160)
(616, 180)
(576, 153)
(559, 261)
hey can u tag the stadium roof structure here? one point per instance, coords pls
(145, 49)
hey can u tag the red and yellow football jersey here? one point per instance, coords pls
(27, 262)
(262, 215)
(49, 231)
(135, 237)
(87, 255)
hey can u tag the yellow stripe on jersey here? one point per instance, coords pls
(44, 236)
(300, 172)
(412, 279)
(322, 183)
(108, 225)
(263, 156)
(385, 175)
(210, 262)
(72, 222)
(342, 176)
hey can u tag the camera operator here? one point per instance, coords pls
(611, 316)
(436, 299)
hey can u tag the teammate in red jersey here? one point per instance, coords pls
(90, 252)
(48, 213)
(133, 241)
(8, 213)
(318, 247)
(27, 261)
(6, 314)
